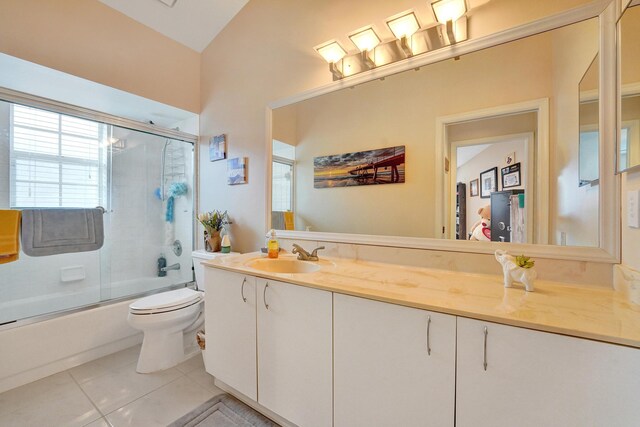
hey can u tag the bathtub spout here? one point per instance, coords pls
(175, 266)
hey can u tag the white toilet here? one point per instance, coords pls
(169, 321)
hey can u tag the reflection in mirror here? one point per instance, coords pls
(495, 159)
(589, 122)
(629, 138)
(402, 111)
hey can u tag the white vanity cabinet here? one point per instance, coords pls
(393, 365)
(541, 379)
(295, 352)
(230, 324)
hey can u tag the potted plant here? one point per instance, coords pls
(214, 222)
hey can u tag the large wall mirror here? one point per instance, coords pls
(485, 146)
(629, 137)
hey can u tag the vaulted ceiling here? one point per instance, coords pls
(193, 23)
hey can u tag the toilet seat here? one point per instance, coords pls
(166, 301)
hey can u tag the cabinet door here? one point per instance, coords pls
(230, 322)
(295, 352)
(541, 379)
(383, 372)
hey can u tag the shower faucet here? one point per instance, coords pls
(175, 266)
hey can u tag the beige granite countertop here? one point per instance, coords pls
(589, 312)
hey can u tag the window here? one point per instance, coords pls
(56, 160)
(282, 173)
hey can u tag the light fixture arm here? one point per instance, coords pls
(337, 74)
(366, 58)
(450, 31)
(405, 46)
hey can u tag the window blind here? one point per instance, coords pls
(56, 160)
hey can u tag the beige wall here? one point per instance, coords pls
(266, 53)
(87, 39)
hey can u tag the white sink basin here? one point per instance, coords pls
(281, 265)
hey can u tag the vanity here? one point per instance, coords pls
(363, 343)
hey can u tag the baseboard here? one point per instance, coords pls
(43, 371)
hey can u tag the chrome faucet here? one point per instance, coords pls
(304, 255)
(175, 266)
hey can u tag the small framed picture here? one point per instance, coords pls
(510, 176)
(510, 158)
(217, 148)
(237, 171)
(473, 188)
(488, 182)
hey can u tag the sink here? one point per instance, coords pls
(281, 265)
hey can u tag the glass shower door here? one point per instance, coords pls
(150, 214)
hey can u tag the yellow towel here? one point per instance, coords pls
(9, 238)
(288, 221)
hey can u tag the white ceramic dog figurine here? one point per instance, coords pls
(513, 273)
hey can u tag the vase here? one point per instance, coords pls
(213, 240)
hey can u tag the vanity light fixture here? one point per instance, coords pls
(366, 41)
(447, 12)
(332, 52)
(409, 39)
(403, 27)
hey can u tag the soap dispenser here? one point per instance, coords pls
(273, 247)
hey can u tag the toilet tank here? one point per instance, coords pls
(202, 255)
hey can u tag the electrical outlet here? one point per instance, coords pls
(633, 208)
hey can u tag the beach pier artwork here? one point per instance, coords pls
(381, 166)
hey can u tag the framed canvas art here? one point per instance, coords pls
(488, 182)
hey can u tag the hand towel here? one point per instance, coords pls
(58, 231)
(288, 221)
(9, 235)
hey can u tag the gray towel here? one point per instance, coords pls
(60, 231)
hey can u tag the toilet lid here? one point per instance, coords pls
(166, 301)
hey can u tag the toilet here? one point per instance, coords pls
(169, 321)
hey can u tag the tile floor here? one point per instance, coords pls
(109, 392)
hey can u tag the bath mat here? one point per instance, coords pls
(59, 231)
(223, 410)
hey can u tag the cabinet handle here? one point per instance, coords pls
(242, 290)
(264, 296)
(486, 332)
(429, 335)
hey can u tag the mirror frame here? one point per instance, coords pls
(608, 251)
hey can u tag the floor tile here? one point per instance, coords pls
(192, 364)
(19, 397)
(63, 405)
(205, 379)
(105, 365)
(162, 406)
(124, 385)
(101, 422)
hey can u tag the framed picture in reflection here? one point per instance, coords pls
(488, 182)
(510, 176)
(473, 188)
